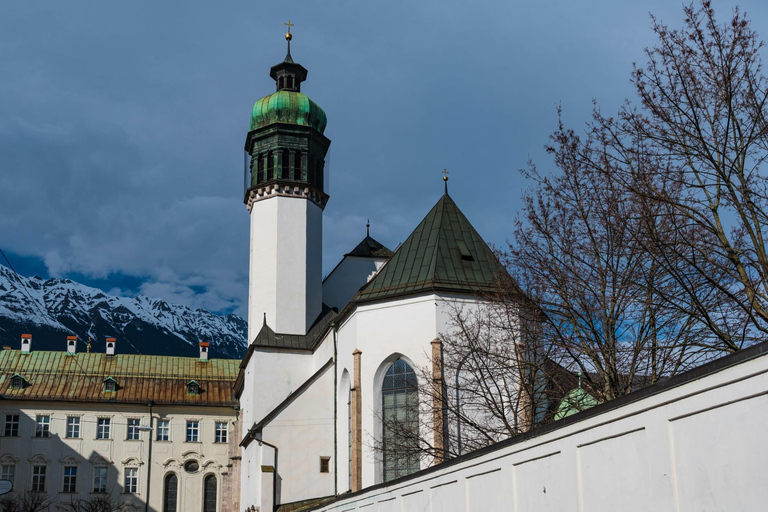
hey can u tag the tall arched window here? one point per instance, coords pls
(260, 169)
(286, 169)
(297, 166)
(209, 494)
(170, 493)
(400, 418)
(270, 166)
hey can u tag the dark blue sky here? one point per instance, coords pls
(122, 124)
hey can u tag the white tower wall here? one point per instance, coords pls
(285, 265)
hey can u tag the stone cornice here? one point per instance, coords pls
(274, 189)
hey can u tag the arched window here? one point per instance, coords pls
(280, 83)
(270, 166)
(209, 494)
(286, 171)
(260, 172)
(170, 493)
(400, 418)
(289, 82)
(297, 166)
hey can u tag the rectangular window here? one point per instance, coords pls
(70, 479)
(102, 428)
(43, 426)
(325, 464)
(131, 480)
(8, 472)
(73, 426)
(163, 430)
(11, 425)
(99, 479)
(133, 429)
(220, 432)
(38, 478)
(193, 431)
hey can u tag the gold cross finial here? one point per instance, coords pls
(445, 174)
(289, 25)
(288, 35)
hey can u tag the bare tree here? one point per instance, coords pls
(29, 501)
(94, 503)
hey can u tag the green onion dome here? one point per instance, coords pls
(289, 107)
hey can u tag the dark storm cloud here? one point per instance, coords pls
(122, 124)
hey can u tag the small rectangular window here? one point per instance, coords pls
(325, 464)
(70, 479)
(221, 432)
(109, 386)
(133, 429)
(131, 480)
(103, 427)
(193, 431)
(43, 426)
(38, 478)
(73, 426)
(8, 472)
(100, 479)
(11, 425)
(17, 382)
(163, 430)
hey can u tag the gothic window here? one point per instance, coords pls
(170, 493)
(400, 418)
(297, 166)
(260, 169)
(286, 167)
(270, 166)
(209, 494)
(280, 83)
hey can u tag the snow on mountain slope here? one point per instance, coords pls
(51, 309)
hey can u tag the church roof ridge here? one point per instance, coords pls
(443, 253)
(369, 247)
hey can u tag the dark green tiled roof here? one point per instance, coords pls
(444, 253)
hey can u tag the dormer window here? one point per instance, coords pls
(193, 388)
(17, 381)
(110, 385)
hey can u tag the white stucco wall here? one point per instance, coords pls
(285, 270)
(347, 278)
(695, 447)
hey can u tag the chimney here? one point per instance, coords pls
(71, 344)
(204, 350)
(26, 343)
(111, 346)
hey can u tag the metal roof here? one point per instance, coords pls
(370, 248)
(444, 253)
(60, 376)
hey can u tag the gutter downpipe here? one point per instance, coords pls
(149, 456)
(274, 478)
(335, 328)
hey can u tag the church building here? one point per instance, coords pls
(330, 360)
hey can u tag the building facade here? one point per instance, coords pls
(148, 432)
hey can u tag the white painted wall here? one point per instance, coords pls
(347, 278)
(695, 447)
(303, 433)
(285, 272)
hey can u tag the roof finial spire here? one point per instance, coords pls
(265, 318)
(445, 180)
(288, 37)
(368, 227)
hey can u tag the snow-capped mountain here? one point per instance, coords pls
(51, 309)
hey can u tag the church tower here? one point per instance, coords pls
(285, 200)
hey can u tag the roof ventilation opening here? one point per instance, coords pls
(71, 344)
(26, 343)
(111, 346)
(464, 250)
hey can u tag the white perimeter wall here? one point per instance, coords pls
(697, 447)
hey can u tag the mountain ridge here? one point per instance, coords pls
(51, 309)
